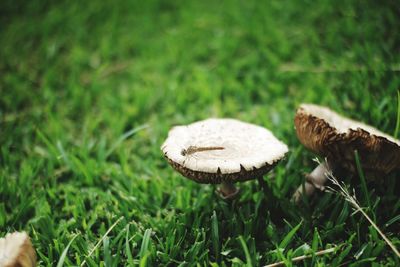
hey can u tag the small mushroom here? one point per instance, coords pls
(16, 250)
(336, 138)
(222, 151)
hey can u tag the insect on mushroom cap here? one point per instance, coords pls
(215, 150)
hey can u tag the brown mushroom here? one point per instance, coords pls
(336, 138)
(16, 250)
(222, 151)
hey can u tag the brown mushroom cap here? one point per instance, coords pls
(335, 137)
(244, 151)
(218, 177)
(16, 250)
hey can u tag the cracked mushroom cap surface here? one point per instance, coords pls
(336, 137)
(222, 150)
(16, 250)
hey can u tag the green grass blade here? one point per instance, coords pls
(124, 137)
(47, 142)
(315, 241)
(87, 258)
(215, 235)
(64, 155)
(343, 255)
(246, 251)
(128, 248)
(79, 166)
(396, 131)
(107, 252)
(289, 236)
(143, 260)
(64, 253)
(393, 220)
(145, 244)
(362, 178)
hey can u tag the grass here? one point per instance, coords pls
(89, 91)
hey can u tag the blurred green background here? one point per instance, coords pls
(89, 90)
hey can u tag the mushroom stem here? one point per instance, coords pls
(264, 186)
(315, 180)
(228, 190)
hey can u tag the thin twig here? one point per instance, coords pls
(101, 240)
(344, 192)
(300, 258)
(387, 240)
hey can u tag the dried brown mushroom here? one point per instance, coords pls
(16, 250)
(336, 138)
(222, 151)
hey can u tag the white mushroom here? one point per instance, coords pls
(222, 151)
(16, 250)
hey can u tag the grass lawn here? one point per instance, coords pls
(89, 90)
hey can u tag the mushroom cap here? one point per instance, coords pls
(244, 151)
(335, 137)
(16, 250)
